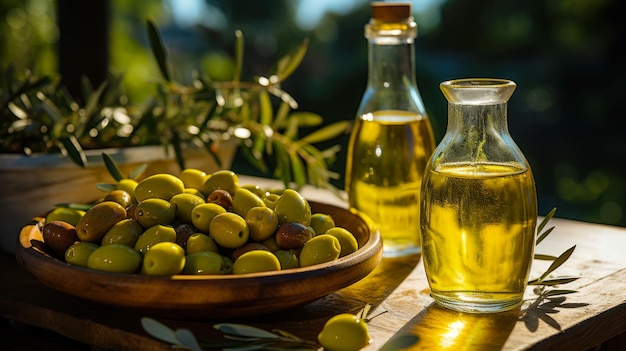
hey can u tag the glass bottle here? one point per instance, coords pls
(392, 138)
(479, 203)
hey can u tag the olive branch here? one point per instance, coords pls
(544, 281)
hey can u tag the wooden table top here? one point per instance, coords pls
(399, 294)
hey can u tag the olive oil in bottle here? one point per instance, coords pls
(393, 137)
(389, 151)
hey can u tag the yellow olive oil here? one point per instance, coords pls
(387, 154)
(478, 231)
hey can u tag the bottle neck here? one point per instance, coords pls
(391, 83)
(391, 66)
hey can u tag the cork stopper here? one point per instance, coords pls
(391, 11)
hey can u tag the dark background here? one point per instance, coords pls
(565, 55)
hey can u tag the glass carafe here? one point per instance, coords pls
(479, 203)
(392, 138)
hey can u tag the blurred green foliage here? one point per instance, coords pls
(565, 55)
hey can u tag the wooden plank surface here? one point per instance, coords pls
(401, 303)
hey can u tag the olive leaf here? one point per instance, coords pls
(159, 331)
(244, 330)
(157, 49)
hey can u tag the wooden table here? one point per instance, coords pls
(592, 318)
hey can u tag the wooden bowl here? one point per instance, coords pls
(209, 296)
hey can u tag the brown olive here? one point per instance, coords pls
(183, 232)
(59, 236)
(293, 235)
(221, 197)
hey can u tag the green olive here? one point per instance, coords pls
(193, 178)
(344, 332)
(164, 258)
(205, 262)
(69, 215)
(153, 211)
(321, 222)
(293, 207)
(262, 222)
(222, 179)
(183, 205)
(287, 258)
(244, 200)
(125, 232)
(122, 197)
(346, 240)
(256, 261)
(320, 249)
(257, 190)
(199, 242)
(229, 230)
(78, 254)
(153, 235)
(203, 214)
(270, 200)
(115, 258)
(98, 220)
(160, 186)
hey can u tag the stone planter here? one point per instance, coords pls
(31, 186)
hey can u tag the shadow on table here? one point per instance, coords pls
(438, 328)
(308, 320)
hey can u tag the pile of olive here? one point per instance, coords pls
(195, 223)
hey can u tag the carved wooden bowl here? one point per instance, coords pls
(209, 296)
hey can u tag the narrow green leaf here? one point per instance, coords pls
(137, 172)
(307, 119)
(558, 262)
(106, 187)
(157, 49)
(92, 100)
(244, 330)
(546, 219)
(112, 167)
(292, 128)
(297, 169)
(281, 115)
(326, 133)
(253, 160)
(283, 169)
(178, 150)
(239, 51)
(288, 63)
(558, 281)
(266, 113)
(159, 330)
(545, 257)
(544, 235)
(74, 150)
(51, 109)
